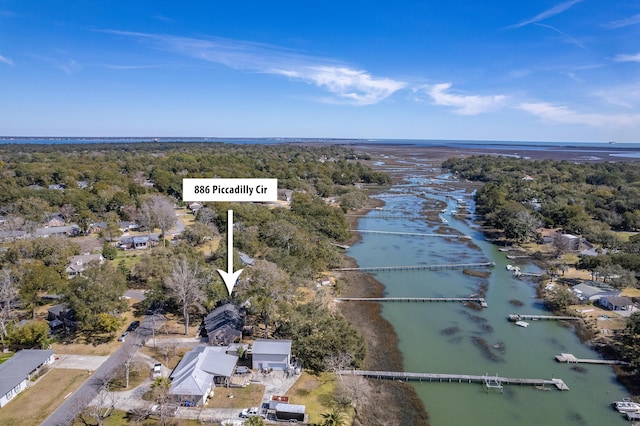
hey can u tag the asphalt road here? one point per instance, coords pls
(75, 403)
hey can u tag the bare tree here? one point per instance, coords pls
(8, 294)
(160, 395)
(158, 211)
(14, 223)
(338, 362)
(186, 284)
(354, 391)
(130, 353)
(67, 211)
(100, 408)
(168, 350)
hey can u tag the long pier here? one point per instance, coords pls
(479, 300)
(570, 358)
(518, 317)
(411, 234)
(488, 381)
(419, 267)
(389, 216)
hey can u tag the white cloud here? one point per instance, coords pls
(346, 84)
(464, 104)
(621, 23)
(349, 85)
(627, 58)
(6, 60)
(563, 115)
(555, 10)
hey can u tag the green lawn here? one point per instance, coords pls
(4, 357)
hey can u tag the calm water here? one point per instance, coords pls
(439, 337)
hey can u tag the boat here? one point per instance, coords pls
(626, 406)
(522, 323)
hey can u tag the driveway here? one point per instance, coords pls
(79, 362)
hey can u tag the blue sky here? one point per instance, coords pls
(526, 70)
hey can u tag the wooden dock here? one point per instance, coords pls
(571, 359)
(479, 300)
(519, 317)
(419, 267)
(411, 234)
(488, 381)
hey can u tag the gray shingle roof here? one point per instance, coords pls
(17, 368)
(271, 347)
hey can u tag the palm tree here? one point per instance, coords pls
(334, 418)
(254, 421)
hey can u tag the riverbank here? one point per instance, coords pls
(395, 402)
(398, 161)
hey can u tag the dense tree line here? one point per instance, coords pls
(589, 199)
(109, 183)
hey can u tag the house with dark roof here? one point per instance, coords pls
(616, 303)
(139, 242)
(271, 354)
(224, 325)
(61, 317)
(17, 371)
(195, 377)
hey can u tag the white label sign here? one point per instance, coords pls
(234, 190)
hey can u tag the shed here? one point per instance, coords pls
(275, 354)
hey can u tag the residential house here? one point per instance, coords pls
(61, 317)
(246, 259)
(271, 354)
(224, 325)
(573, 242)
(125, 226)
(194, 207)
(616, 303)
(54, 220)
(67, 231)
(78, 264)
(139, 242)
(196, 375)
(17, 371)
(591, 293)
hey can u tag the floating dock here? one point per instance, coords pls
(479, 300)
(520, 317)
(571, 359)
(489, 381)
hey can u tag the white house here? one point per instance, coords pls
(78, 264)
(268, 354)
(194, 378)
(17, 371)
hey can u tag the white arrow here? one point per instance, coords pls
(230, 278)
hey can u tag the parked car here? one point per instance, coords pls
(123, 336)
(133, 326)
(249, 412)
